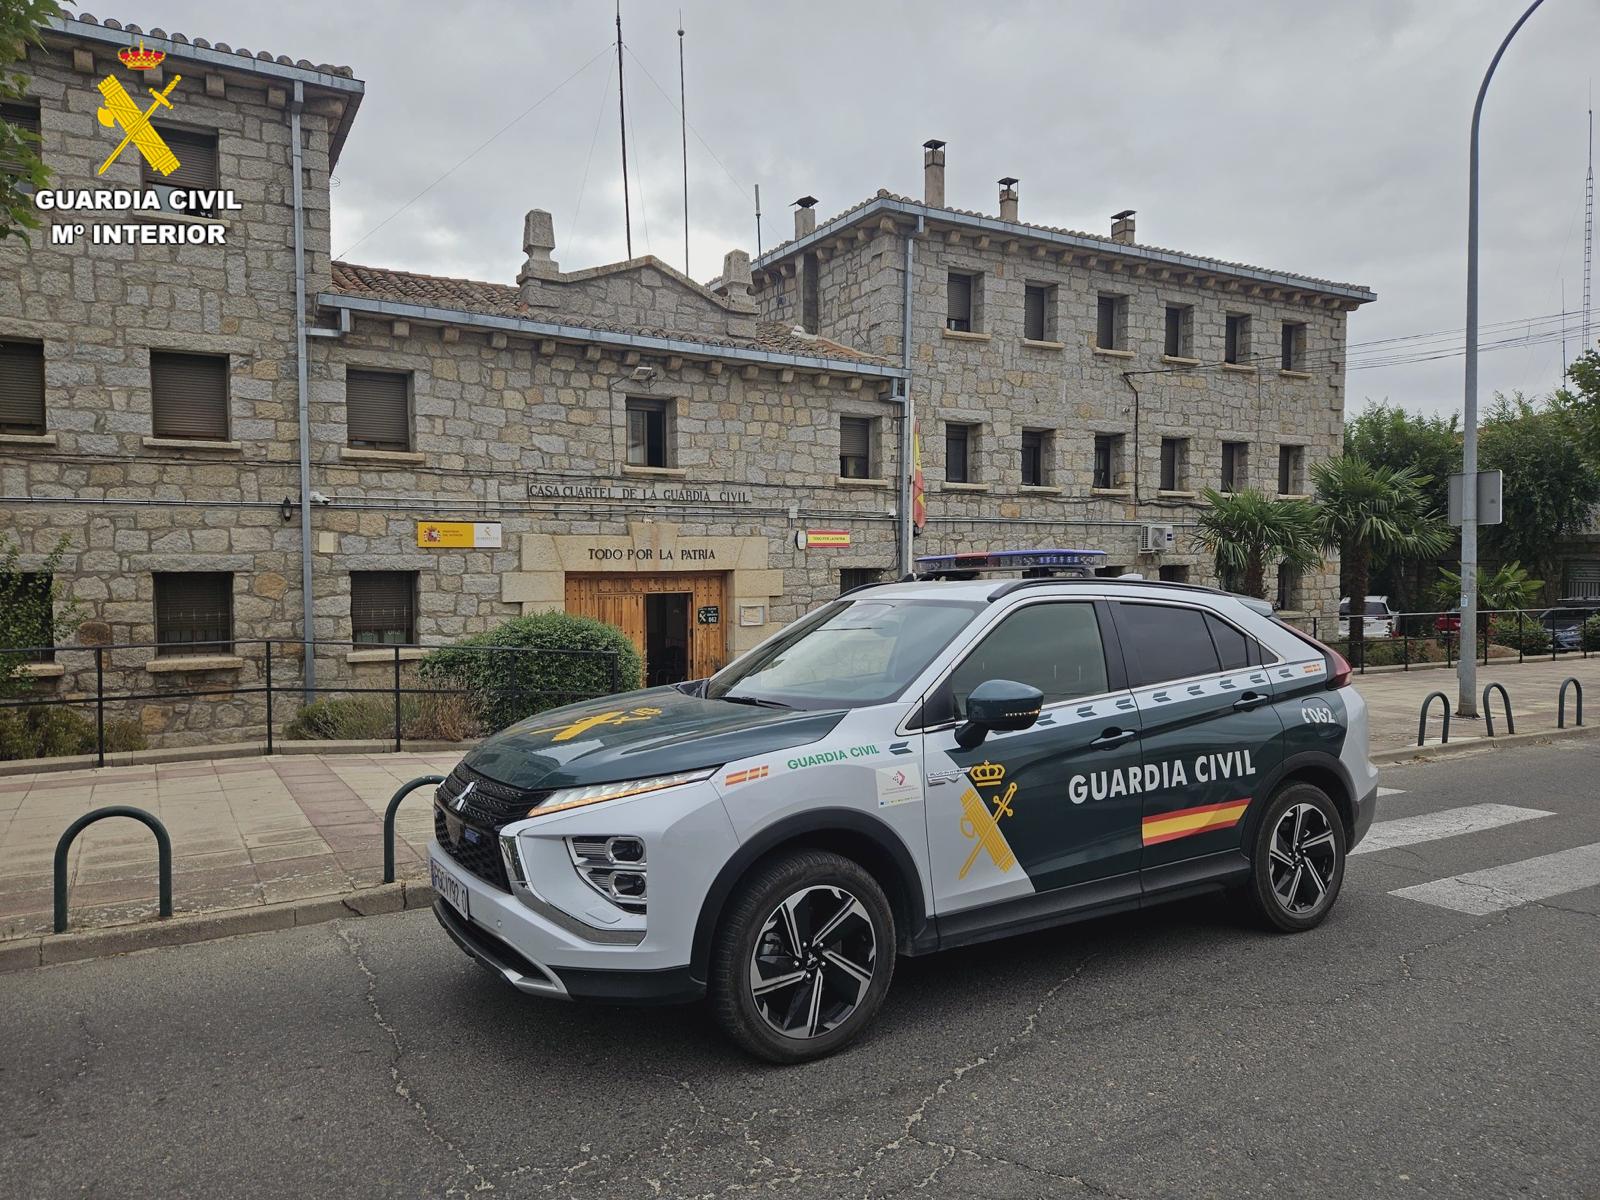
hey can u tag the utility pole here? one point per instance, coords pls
(1467, 668)
(622, 122)
(683, 131)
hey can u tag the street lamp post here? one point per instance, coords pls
(1467, 667)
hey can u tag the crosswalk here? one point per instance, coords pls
(1493, 889)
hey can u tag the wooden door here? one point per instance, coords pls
(618, 599)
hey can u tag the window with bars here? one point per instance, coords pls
(1107, 460)
(32, 598)
(1039, 313)
(22, 115)
(854, 577)
(1235, 465)
(1293, 353)
(856, 448)
(21, 387)
(961, 302)
(810, 292)
(1291, 468)
(377, 409)
(1036, 454)
(1180, 331)
(1236, 339)
(959, 466)
(649, 434)
(1174, 453)
(1111, 322)
(383, 607)
(198, 170)
(1174, 573)
(189, 395)
(194, 612)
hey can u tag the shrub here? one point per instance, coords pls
(358, 718)
(563, 658)
(49, 731)
(1520, 632)
(1390, 652)
(1591, 633)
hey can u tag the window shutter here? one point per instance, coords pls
(195, 609)
(854, 437)
(960, 299)
(189, 395)
(1033, 314)
(377, 409)
(197, 159)
(21, 387)
(382, 605)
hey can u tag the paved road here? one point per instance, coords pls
(1405, 1049)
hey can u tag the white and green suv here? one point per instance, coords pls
(912, 767)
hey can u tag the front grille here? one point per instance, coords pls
(490, 802)
(476, 849)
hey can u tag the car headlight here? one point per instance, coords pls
(597, 793)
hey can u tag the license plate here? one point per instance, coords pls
(448, 886)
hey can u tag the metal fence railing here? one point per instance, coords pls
(1407, 639)
(256, 687)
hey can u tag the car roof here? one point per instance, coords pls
(985, 590)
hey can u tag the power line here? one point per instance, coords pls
(698, 136)
(475, 152)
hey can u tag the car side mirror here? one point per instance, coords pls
(998, 704)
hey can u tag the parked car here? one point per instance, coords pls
(1378, 618)
(1565, 622)
(1448, 624)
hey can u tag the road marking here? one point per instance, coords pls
(1480, 893)
(1383, 791)
(1452, 822)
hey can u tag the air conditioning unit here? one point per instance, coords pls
(1155, 539)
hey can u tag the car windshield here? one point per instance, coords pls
(1377, 608)
(848, 654)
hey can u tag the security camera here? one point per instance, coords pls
(319, 498)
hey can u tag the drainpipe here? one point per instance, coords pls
(907, 407)
(1127, 378)
(303, 400)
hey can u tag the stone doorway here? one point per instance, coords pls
(674, 620)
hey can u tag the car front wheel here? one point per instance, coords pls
(804, 957)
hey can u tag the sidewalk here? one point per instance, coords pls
(252, 832)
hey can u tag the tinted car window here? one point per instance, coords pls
(1053, 647)
(1164, 641)
(1233, 648)
(1377, 608)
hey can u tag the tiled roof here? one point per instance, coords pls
(1220, 265)
(283, 60)
(503, 300)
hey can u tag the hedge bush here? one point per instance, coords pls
(352, 718)
(1520, 632)
(561, 658)
(52, 731)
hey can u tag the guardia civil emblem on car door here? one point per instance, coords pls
(982, 825)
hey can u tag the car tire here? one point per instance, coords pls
(1297, 860)
(803, 956)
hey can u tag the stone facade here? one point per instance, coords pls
(518, 397)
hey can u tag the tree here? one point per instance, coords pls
(21, 168)
(1549, 491)
(1364, 510)
(1508, 586)
(27, 614)
(1579, 404)
(1245, 531)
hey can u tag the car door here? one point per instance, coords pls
(1209, 730)
(1032, 811)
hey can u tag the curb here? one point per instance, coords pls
(1507, 740)
(49, 949)
(228, 750)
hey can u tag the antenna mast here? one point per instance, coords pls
(758, 220)
(622, 121)
(1588, 233)
(683, 129)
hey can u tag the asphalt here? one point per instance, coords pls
(1403, 1049)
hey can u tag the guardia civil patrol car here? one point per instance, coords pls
(914, 766)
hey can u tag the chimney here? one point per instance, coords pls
(1008, 199)
(734, 287)
(1122, 227)
(805, 216)
(538, 240)
(933, 173)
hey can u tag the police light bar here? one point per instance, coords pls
(1008, 560)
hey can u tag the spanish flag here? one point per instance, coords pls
(919, 491)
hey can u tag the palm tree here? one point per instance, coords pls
(1362, 509)
(1245, 531)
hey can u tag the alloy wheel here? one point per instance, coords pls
(813, 962)
(1304, 857)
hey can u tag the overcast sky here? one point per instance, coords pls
(1324, 138)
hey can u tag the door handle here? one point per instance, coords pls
(1248, 701)
(1113, 737)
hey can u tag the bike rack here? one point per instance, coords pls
(388, 820)
(1561, 702)
(1488, 709)
(1422, 720)
(163, 856)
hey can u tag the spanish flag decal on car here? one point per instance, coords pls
(1185, 822)
(747, 776)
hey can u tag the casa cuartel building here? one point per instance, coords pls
(233, 432)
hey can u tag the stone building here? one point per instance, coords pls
(231, 432)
